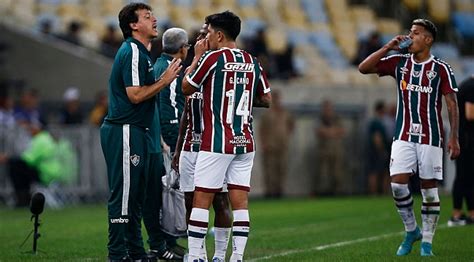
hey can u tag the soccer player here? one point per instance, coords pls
(232, 83)
(421, 79)
(132, 91)
(175, 46)
(184, 161)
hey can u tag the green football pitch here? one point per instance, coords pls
(323, 229)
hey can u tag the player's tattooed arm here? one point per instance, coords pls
(453, 114)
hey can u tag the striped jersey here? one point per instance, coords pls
(230, 78)
(420, 87)
(192, 136)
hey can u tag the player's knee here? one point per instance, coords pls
(430, 195)
(399, 190)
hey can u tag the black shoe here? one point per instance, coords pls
(177, 249)
(469, 220)
(166, 255)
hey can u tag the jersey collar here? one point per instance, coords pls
(139, 44)
(422, 63)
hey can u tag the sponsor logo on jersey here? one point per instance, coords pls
(240, 141)
(135, 159)
(415, 88)
(403, 70)
(119, 220)
(238, 67)
(431, 74)
(196, 95)
(196, 138)
(416, 130)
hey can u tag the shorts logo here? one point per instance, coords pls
(135, 159)
(437, 169)
(391, 162)
(119, 220)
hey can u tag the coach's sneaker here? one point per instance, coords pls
(426, 250)
(457, 221)
(410, 238)
(166, 255)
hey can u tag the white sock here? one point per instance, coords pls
(429, 213)
(197, 230)
(221, 235)
(404, 203)
(240, 233)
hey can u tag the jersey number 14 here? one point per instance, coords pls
(242, 110)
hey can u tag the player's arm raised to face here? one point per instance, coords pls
(369, 65)
(138, 94)
(200, 48)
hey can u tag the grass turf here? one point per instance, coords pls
(328, 229)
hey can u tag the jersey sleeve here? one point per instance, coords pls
(134, 67)
(205, 65)
(263, 86)
(448, 82)
(387, 65)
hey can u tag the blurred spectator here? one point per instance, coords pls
(258, 48)
(28, 112)
(367, 47)
(72, 34)
(463, 188)
(40, 163)
(45, 27)
(276, 126)
(7, 119)
(284, 64)
(330, 165)
(110, 42)
(99, 111)
(378, 152)
(71, 113)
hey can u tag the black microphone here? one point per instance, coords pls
(37, 203)
(36, 208)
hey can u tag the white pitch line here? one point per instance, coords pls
(328, 246)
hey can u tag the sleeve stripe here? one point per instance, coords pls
(135, 74)
(448, 74)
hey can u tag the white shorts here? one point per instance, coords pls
(187, 165)
(407, 155)
(212, 169)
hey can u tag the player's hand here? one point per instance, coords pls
(172, 72)
(175, 162)
(201, 47)
(453, 148)
(393, 44)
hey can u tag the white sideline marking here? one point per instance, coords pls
(328, 246)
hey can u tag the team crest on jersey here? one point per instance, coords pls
(416, 73)
(431, 74)
(135, 159)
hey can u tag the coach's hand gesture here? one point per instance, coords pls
(172, 72)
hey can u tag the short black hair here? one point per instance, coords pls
(227, 22)
(428, 25)
(128, 15)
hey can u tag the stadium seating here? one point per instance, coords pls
(331, 29)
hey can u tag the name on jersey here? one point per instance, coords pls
(415, 88)
(240, 141)
(238, 67)
(239, 80)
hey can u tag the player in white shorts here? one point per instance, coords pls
(422, 79)
(184, 161)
